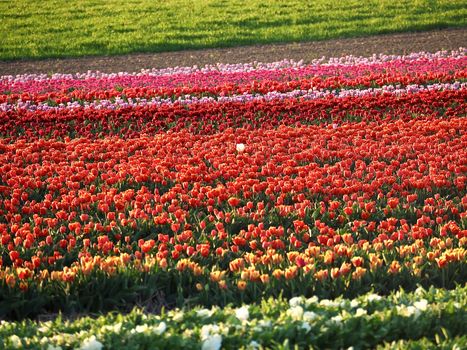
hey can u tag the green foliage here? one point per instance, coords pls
(441, 343)
(424, 319)
(31, 29)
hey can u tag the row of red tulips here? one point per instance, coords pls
(213, 117)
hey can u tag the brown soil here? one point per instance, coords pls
(401, 43)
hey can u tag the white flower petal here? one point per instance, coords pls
(240, 147)
(242, 313)
(214, 342)
(91, 343)
(160, 328)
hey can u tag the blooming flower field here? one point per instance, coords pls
(241, 185)
(367, 321)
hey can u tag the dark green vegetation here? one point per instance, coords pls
(426, 319)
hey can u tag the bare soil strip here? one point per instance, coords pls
(402, 43)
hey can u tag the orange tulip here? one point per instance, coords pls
(241, 285)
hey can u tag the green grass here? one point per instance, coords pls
(53, 28)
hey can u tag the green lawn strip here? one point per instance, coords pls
(31, 29)
(433, 316)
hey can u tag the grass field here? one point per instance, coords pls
(31, 29)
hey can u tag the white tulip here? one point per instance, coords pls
(422, 305)
(295, 301)
(313, 300)
(141, 329)
(242, 313)
(202, 313)
(160, 328)
(360, 312)
(51, 347)
(306, 326)
(295, 312)
(373, 297)
(240, 147)
(310, 315)
(208, 329)
(212, 343)
(91, 344)
(337, 319)
(15, 341)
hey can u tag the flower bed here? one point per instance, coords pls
(233, 185)
(436, 316)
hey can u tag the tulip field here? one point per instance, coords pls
(262, 205)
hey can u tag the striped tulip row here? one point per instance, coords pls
(249, 71)
(311, 94)
(199, 83)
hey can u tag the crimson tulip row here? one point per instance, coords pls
(214, 117)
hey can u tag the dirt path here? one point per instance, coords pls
(389, 43)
